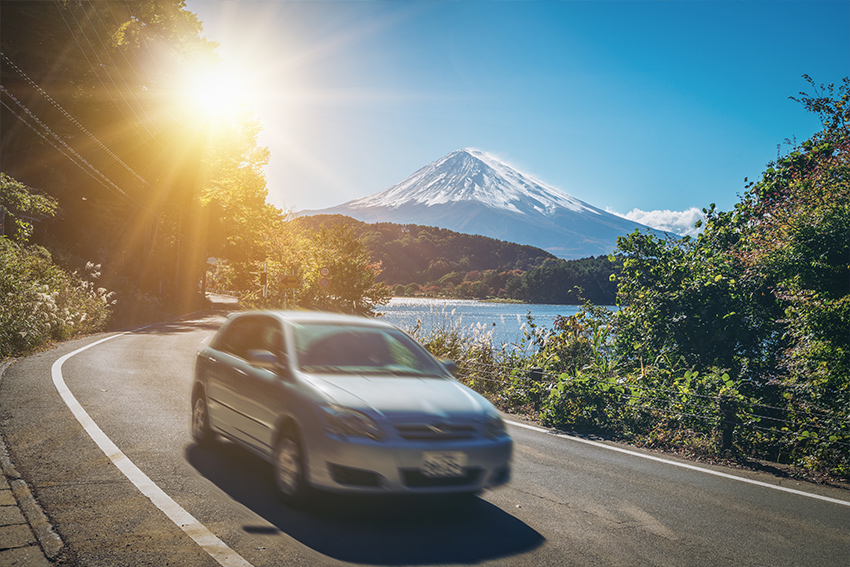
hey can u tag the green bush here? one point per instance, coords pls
(42, 302)
(570, 378)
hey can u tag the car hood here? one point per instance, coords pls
(394, 396)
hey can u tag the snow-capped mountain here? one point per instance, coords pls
(472, 192)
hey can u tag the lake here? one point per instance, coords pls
(504, 322)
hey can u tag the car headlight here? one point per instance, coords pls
(494, 426)
(346, 422)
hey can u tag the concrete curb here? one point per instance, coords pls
(47, 538)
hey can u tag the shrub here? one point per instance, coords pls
(42, 302)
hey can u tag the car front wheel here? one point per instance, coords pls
(202, 433)
(289, 469)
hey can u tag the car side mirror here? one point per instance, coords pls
(264, 359)
(450, 365)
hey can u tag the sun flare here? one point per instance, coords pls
(216, 93)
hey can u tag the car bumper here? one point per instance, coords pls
(385, 467)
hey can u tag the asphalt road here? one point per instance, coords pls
(569, 503)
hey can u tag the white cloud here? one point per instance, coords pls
(677, 222)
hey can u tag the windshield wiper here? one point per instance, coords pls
(323, 369)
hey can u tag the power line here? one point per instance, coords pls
(73, 120)
(104, 179)
(57, 148)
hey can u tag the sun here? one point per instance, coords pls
(216, 93)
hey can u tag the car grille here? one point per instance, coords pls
(436, 431)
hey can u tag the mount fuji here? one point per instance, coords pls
(472, 192)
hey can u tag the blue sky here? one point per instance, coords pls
(626, 105)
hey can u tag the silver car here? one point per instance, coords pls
(345, 403)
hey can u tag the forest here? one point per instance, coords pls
(434, 262)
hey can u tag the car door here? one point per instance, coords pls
(262, 390)
(226, 367)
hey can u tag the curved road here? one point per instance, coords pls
(570, 502)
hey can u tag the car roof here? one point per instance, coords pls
(297, 317)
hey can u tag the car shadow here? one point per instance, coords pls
(384, 530)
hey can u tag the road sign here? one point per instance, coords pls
(325, 272)
(324, 282)
(288, 282)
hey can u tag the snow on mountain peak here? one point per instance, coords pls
(473, 175)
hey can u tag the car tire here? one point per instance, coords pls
(288, 466)
(202, 433)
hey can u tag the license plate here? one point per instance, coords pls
(443, 464)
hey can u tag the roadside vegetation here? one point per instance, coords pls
(41, 302)
(732, 345)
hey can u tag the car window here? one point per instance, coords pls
(351, 349)
(252, 333)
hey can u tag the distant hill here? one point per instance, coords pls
(414, 253)
(436, 261)
(472, 192)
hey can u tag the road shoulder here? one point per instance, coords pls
(27, 536)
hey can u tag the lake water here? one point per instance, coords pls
(504, 322)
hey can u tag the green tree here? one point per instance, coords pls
(798, 216)
(232, 198)
(18, 203)
(334, 270)
(92, 115)
(764, 292)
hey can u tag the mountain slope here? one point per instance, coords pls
(413, 253)
(470, 191)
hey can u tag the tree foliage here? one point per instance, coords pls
(330, 264)
(764, 291)
(687, 299)
(95, 115)
(424, 260)
(233, 195)
(799, 219)
(414, 253)
(91, 116)
(19, 204)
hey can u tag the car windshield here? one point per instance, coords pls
(324, 348)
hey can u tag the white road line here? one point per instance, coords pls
(217, 549)
(681, 465)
